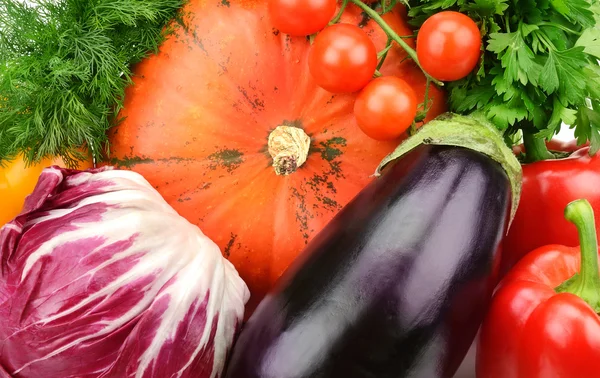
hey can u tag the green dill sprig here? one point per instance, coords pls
(64, 67)
(539, 67)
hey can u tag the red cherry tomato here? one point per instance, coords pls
(448, 45)
(342, 59)
(385, 108)
(301, 17)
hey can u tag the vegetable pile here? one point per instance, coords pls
(101, 278)
(538, 68)
(229, 125)
(374, 181)
(398, 282)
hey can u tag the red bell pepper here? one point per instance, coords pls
(548, 186)
(543, 320)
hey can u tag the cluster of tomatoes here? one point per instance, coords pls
(343, 59)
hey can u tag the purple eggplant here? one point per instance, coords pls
(396, 285)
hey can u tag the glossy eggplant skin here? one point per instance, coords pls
(396, 285)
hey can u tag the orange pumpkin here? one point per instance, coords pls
(17, 181)
(202, 124)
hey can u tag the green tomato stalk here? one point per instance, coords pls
(538, 68)
(382, 55)
(394, 36)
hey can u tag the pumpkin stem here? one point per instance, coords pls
(288, 146)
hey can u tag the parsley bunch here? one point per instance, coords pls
(64, 66)
(539, 68)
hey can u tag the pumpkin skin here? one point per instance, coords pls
(197, 121)
(17, 181)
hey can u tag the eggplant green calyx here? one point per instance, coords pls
(586, 283)
(474, 132)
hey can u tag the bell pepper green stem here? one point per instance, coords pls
(535, 148)
(586, 283)
(393, 35)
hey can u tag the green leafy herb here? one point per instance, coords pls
(588, 120)
(64, 66)
(590, 41)
(516, 57)
(539, 68)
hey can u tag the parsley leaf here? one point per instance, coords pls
(516, 56)
(441, 4)
(577, 11)
(464, 100)
(560, 114)
(539, 66)
(592, 72)
(551, 37)
(563, 71)
(588, 126)
(485, 8)
(506, 113)
(531, 11)
(590, 41)
(549, 74)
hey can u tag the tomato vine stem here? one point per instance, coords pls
(337, 17)
(426, 101)
(383, 54)
(423, 113)
(393, 35)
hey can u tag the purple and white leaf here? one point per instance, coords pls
(100, 277)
